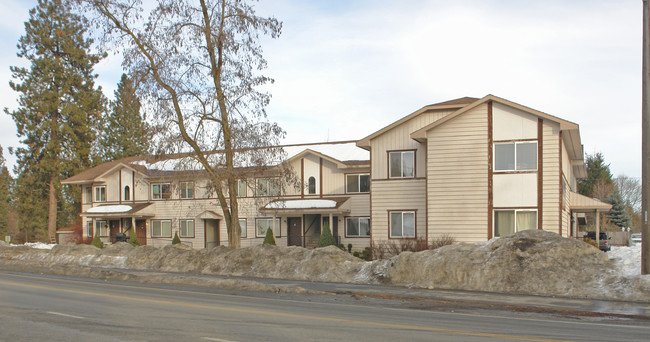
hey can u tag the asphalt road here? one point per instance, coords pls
(47, 308)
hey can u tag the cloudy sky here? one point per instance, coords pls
(344, 69)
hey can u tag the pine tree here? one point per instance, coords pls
(269, 239)
(176, 240)
(125, 132)
(598, 173)
(326, 238)
(617, 214)
(5, 200)
(59, 108)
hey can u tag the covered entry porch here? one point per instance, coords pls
(306, 219)
(581, 206)
(114, 223)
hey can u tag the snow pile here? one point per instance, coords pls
(529, 262)
(106, 209)
(302, 204)
(39, 245)
(627, 260)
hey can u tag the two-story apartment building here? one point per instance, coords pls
(470, 168)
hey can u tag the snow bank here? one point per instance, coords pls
(107, 209)
(627, 260)
(529, 262)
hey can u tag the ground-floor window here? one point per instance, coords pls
(242, 226)
(263, 224)
(510, 221)
(89, 228)
(102, 227)
(357, 226)
(161, 228)
(402, 224)
(187, 228)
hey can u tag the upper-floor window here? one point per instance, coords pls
(401, 164)
(187, 190)
(515, 156)
(357, 183)
(100, 194)
(88, 197)
(241, 188)
(402, 224)
(268, 187)
(311, 185)
(127, 193)
(160, 191)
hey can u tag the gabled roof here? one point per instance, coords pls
(451, 104)
(102, 170)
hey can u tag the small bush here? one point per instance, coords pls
(326, 238)
(176, 239)
(349, 248)
(366, 254)
(269, 239)
(356, 254)
(133, 240)
(387, 249)
(97, 242)
(590, 241)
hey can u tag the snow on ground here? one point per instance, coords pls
(106, 209)
(38, 245)
(302, 204)
(627, 260)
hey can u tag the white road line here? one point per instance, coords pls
(214, 339)
(64, 315)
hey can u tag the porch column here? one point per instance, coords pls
(133, 227)
(598, 228)
(274, 227)
(331, 223)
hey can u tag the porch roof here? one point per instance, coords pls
(119, 210)
(581, 203)
(338, 205)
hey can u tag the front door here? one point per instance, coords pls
(141, 231)
(211, 233)
(294, 232)
(114, 228)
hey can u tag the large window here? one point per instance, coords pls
(101, 227)
(187, 190)
(264, 224)
(401, 164)
(242, 226)
(241, 188)
(357, 226)
(160, 191)
(268, 187)
(161, 228)
(402, 224)
(515, 156)
(100, 194)
(357, 183)
(88, 197)
(510, 221)
(186, 228)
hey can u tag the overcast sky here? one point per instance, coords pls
(344, 69)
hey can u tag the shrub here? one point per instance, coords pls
(97, 242)
(133, 240)
(326, 238)
(269, 239)
(176, 239)
(366, 254)
(387, 249)
(349, 248)
(590, 241)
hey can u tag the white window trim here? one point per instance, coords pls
(494, 218)
(401, 165)
(516, 143)
(390, 229)
(162, 197)
(358, 175)
(238, 187)
(161, 230)
(98, 228)
(269, 180)
(277, 226)
(95, 188)
(90, 229)
(180, 228)
(184, 191)
(244, 229)
(357, 218)
(89, 195)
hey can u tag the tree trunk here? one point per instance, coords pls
(51, 217)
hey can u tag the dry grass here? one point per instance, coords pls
(387, 249)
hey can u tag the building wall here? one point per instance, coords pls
(457, 178)
(397, 195)
(551, 177)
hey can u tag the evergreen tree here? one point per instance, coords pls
(617, 214)
(176, 240)
(125, 133)
(598, 174)
(326, 238)
(5, 198)
(59, 108)
(269, 239)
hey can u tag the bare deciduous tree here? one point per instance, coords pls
(197, 63)
(630, 190)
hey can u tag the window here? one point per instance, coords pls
(515, 156)
(160, 191)
(187, 190)
(402, 224)
(186, 228)
(89, 195)
(242, 226)
(401, 164)
(357, 183)
(89, 229)
(101, 227)
(161, 228)
(264, 224)
(100, 194)
(510, 221)
(241, 188)
(311, 187)
(357, 226)
(268, 187)
(127, 193)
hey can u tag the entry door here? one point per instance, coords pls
(211, 233)
(294, 233)
(141, 231)
(114, 228)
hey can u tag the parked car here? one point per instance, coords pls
(604, 243)
(636, 238)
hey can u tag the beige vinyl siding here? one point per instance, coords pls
(397, 195)
(551, 177)
(112, 183)
(141, 191)
(457, 177)
(399, 138)
(359, 207)
(312, 169)
(127, 180)
(333, 179)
